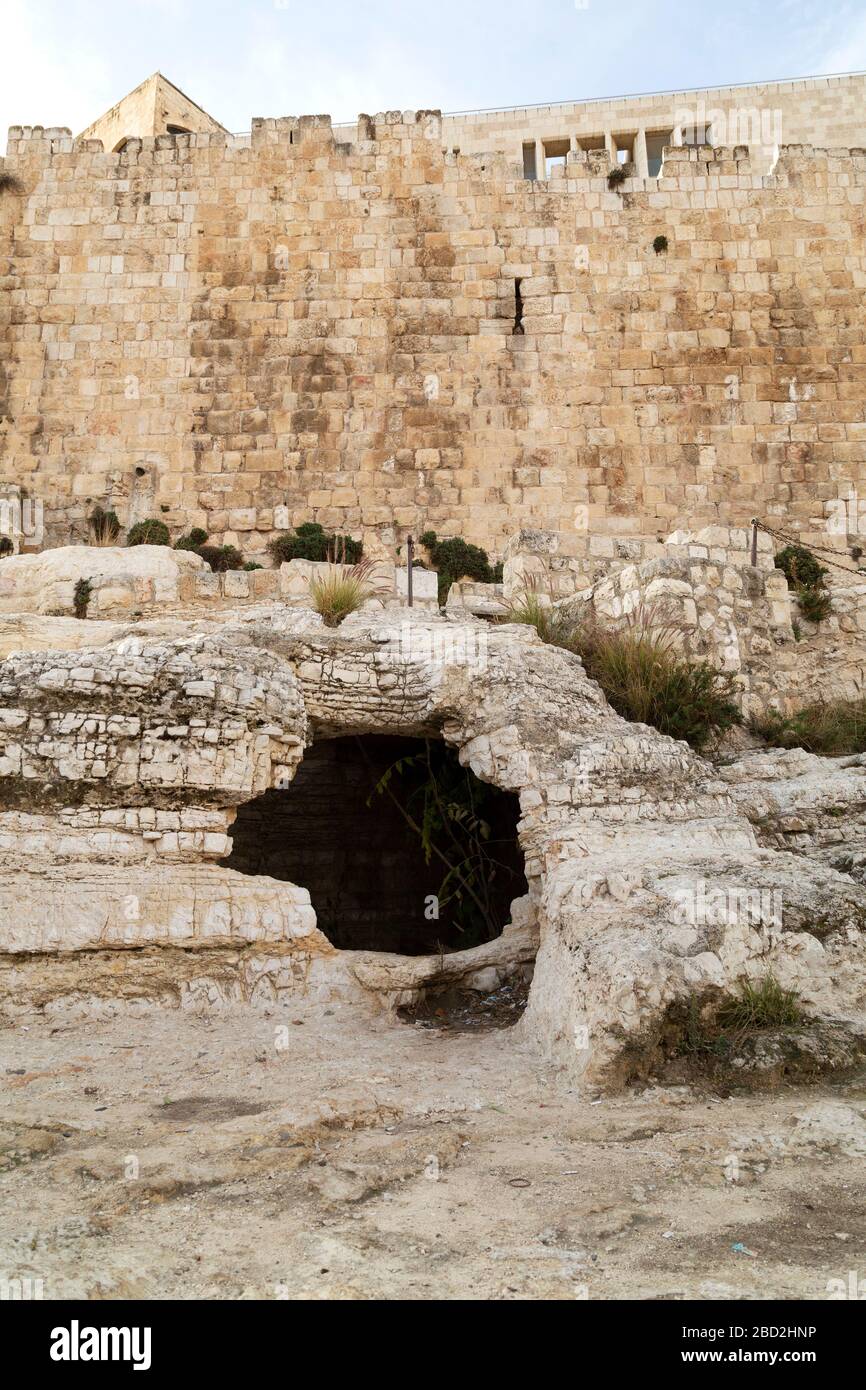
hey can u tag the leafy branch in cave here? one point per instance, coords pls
(453, 814)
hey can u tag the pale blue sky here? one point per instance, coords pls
(66, 61)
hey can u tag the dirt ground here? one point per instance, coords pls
(290, 1155)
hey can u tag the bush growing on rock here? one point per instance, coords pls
(833, 729)
(760, 1005)
(311, 541)
(196, 538)
(642, 675)
(457, 559)
(221, 557)
(81, 597)
(342, 590)
(150, 532)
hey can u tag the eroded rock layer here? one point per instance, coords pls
(654, 878)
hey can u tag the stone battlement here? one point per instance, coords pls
(294, 134)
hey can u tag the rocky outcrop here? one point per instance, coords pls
(651, 879)
(122, 581)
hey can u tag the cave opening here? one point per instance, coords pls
(401, 849)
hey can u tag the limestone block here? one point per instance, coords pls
(425, 584)
(45, 582)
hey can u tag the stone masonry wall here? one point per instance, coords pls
(703, 592)
(247, 332)
(826, 111)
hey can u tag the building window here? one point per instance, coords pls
(555, 152)
(530, 170)
(623, 148)
(655, 143)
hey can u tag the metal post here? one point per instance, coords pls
(754, 544)
(410, 555)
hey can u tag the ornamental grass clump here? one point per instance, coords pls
(342, 590)
(643, 676)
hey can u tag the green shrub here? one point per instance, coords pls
(715, 1031)
(103, 527)
(805, 576)
(196, 538)
(760, 1006)
(647, 682)
(660, 243)
(310, 541)
(616, 176)
(457, 559)
(834, 730)
(221, 557)
(643, 677)
(800, 567)
(251, 565)
(81, 597)
(814, 604)
(150, 532)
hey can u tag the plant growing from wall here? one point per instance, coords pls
(81, 596)
(6, 547)
(660, 244)
(150, 532)
(447, 807)
(616, 177)
(310, 541)
(457, 559)
(9, 183)
(194, 539)
(221, 557)
(815, 604)
(805, 576)
(103, 527)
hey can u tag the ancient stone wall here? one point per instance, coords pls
(247, 332)
(702, 592)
